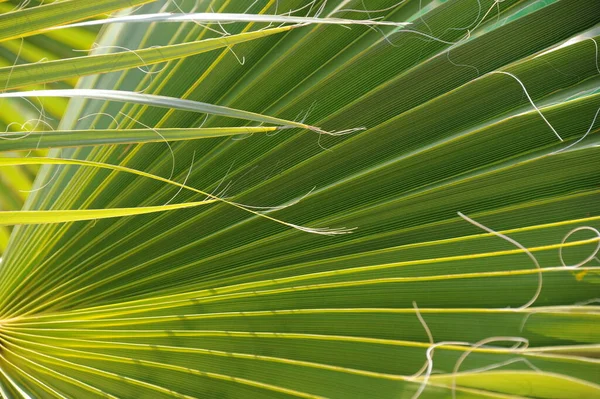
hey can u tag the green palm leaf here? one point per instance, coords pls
(454, 200)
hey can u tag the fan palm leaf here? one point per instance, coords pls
(404, 208)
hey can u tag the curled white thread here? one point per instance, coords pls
(184, 180)
(518, 245)
(117, 124)
(530, 100)
(429, 363)
(582, 137)
(586, 260)
(595, 58)
(161, 136)
(428, 366)
(461, 359)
